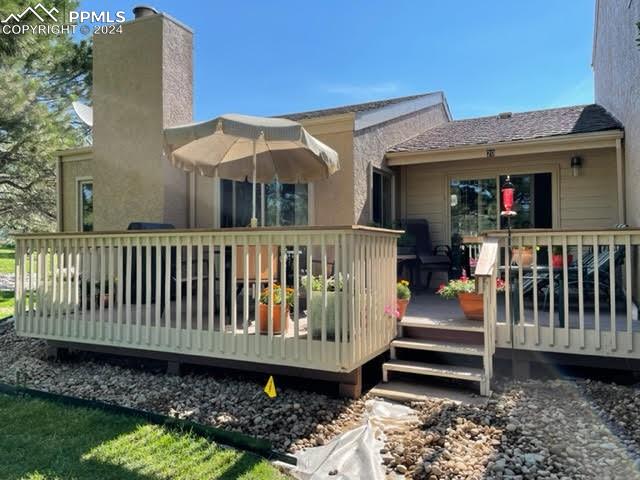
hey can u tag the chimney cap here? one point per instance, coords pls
(140, 11)
(503, 115)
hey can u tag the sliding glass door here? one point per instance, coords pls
(475, 204)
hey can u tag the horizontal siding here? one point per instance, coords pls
(586, 201)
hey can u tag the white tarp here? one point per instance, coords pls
(355, 454)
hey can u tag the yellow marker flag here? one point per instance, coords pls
(270, 387)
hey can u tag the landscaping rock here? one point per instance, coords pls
(529, 430)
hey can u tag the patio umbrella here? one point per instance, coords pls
(239, 147)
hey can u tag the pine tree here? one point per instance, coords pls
(40, 76)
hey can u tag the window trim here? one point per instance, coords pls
(79, 182)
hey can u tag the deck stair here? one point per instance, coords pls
(463, 339)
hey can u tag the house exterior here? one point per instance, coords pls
(190, 294)
(616, 67)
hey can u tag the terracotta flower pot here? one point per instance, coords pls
(402, 307)
(472, 305)
(523, 256)
(276, 318)
(556, 260)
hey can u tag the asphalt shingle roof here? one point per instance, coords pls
(520, 126)
(358, 107)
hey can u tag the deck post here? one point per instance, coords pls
(351, 386)
(520, 364)
(174, 368)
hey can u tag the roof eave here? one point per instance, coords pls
(558, 143)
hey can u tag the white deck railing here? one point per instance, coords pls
(197, 292)
(581, 302)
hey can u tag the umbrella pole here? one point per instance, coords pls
(254, 220)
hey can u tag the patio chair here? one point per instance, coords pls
(430, 258)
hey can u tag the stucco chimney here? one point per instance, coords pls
(142, 82)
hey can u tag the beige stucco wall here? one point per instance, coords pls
(71, 170)
(142, 83)
(371, 144)
(585, 201)
(616, 64)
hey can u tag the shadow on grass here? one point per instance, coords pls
(45, 440)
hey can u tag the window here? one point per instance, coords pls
(85, 205)
(381, 210)
(277, 203)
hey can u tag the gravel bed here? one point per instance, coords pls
(550, 429)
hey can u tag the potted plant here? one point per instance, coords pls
(276, 308)
(523, 256)
(464, 289)
(556, 258)
(403, 296)
(314, 306)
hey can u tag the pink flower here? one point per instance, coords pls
(464, 277)
(389, 310)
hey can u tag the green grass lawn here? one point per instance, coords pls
(42, 440)
(7, 265)
(7, 259)
(7, 303)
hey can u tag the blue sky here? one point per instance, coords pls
(275, 56)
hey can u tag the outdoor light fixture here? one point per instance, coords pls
(576, 165)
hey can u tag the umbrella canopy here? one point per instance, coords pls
(241, 147)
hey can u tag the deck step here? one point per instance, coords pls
(433, 369)
(419, 391)
(438, 346)
(460, 324)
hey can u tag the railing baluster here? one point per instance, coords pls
(344, 311)
(507, 293)
(128, 293)
(257, 287)
(309, 297)
(148, 287)
(233, 290)
(83, 287)
(596, 289)
(168, 280)
(30, 246)
(245, 296)
(612, 294)
(178, 328)
(628, 291)
(296, 298)
(581, 292)
(101, 275)
(120, 288)
(337, 313)
(283, 290)
(536, 319)
(521, 320)
(112, 292)
(270, 302)
(565, 282)
(354, 314)
(77, 287)
(189, 293)
(368, 293)
(552, 307)
(323, 257)
(59, 329)
(222, 272)
(211, 307)
(199, 275)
